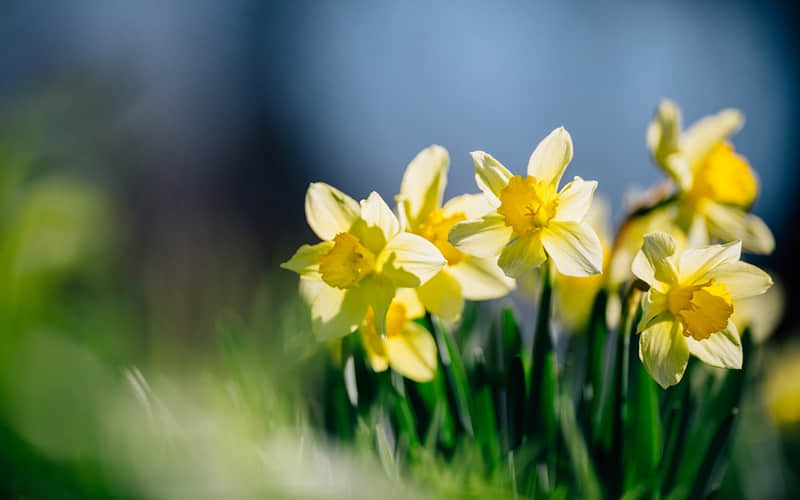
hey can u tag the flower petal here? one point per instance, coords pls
(697, 263)
(329, 211)
(409, 299)
(441, 295)
(412, 353)
(742, 279)
(732, 223)
(574, 248)
(378, 292)
(423, 183)
(334, 312)
(653, 263)
(551, 157)
(409, 260)
(473, 206)
(699, 139)
(574, 200)
(481, 279)
(722, 349)
(522, 255)
(664, 130)
(305, 260)
(484, 237)
(376, 213)
(664, 351)
(490, 175)
(374, 347)
(761, 313)
(654, 303)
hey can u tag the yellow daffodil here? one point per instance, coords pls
(689, 305)
(531, 220)
(407, 347)
(781, 390)
(717, 185)
(363, 259)
(421, 212)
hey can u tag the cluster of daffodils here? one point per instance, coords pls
(377, 270)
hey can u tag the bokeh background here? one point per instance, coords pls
(200, 125)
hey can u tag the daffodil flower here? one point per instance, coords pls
(689, 305)
(421, 212)
(407, 347)
(363, 259)
(532, 220)
(717, 185)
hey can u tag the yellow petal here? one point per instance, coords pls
(522, 255)
(414, 308)
(376, 214)
(653, 304)
(664, 351)
(728, 222)
(334, 312)
(410, 260)
(412, 353)
(699, 139)
(574, 248)
(551, 157)
(306, 260)
(741, 279)
(574, 200)
(441, 295)
(373, 344)
(653, 264)
(696, 264)
(473, 206)
(490, 175)
(721, 349)
(484, 237)
(481, 279)
(423, 183)
(330, 211)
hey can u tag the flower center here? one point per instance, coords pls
(725, 177)
(528, 204)
(346, 263)
(702, 309)
(435, 229)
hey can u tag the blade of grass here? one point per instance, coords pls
(456, 375)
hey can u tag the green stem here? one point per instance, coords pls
(542, 414)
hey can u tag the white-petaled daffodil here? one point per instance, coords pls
(531, 220)
(421, 212)
(363, 259)
(717, 185)
(407, 347)
(689, 305)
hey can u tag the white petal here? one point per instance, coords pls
(441, 295)
(490, 175)
(574, 200)
(412, 353)
(334, 312)
(699, 139)
(481, 279)
(551, 156)
(722, 349)
(522, 255)
(329, 211)
(653, 263)
(761, 314)
(473, 206)
(663, 130)
(574, 248)
(696, 264)
(728, 223)
(306, 260)
(742, 279)
(376, 213)
(664, 351)
(484, 237)
(410, 260)
(423, 183)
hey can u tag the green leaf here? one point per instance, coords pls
(450, 358)
(541, 413)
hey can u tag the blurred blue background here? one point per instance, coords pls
(210, 118)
